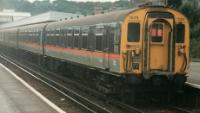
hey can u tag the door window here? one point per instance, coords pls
(157, 32)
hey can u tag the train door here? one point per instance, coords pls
(43, 39)
(17, 39)
(111, 46)
(159, 45)
(106, 47)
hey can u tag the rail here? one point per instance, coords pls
(68, 93)
(180, 110)
(80, 100)
(75, 97)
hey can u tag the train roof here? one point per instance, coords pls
(110, 17)
(32, 26)
(25, 27)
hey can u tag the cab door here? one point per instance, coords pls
(159, 45)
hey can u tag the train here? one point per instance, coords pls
(149, 43)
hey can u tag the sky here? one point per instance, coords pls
(85, 0)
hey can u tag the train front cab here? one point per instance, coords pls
(157, 44)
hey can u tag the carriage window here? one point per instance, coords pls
(84, 42)
(47, 36)
(117, 33)
(57, 32)
(70, 37)
(111, 36)
(76, 37)
(57, 36)
(99, 43)
(36, 35)
(65, 37)
(157, 32)
(84, 34)
(133, 32)
(62, 38)
(99, 36)
(180, 33)
(64, 32)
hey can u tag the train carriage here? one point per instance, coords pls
(92, 41)
(9, 37)
(30, 38)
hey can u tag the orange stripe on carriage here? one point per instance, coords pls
(74, 51)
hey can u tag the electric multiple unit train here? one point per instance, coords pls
(142, 43)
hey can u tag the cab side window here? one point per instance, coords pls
(180, 36)
(133, 32)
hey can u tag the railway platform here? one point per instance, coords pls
(194, 75)
(16, 96)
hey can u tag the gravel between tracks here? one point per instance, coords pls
(57, 98)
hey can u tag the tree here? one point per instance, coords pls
(192, 13)
(175, 3)
(41, 7)
(24, 5)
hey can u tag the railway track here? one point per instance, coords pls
(75, 97)
(180, 110)
(83, 102)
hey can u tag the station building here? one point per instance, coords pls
(10, 15)
(50, 16)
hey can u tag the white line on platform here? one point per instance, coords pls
(59, 110)
(193, 85)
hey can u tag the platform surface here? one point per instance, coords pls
(194, 75)
(16, 98)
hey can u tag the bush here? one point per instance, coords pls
(195, 41)
(192, 13)
(195, 48)
(195, 32)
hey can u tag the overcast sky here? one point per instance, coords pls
(85, 0)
